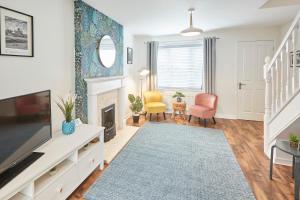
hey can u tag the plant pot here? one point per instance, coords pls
(294, 144)
(68, 127)
(136, 118)
(179, 99)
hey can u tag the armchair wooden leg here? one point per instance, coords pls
(156, 116)
(164, 115)
(190, 117)
(150, 116)
(204, 122)
(214, 120)
(199, 119)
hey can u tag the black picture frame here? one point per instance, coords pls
(129, 55)
(297, 58)
(29, 38)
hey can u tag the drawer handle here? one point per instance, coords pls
(93, 161)
(61, 190)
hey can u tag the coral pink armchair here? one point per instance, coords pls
(205, 107)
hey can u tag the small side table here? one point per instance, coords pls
(285, 147)
(180, 107)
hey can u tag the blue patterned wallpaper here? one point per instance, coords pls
(90, 26)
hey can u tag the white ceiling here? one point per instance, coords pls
(164, 17)
(279, 3)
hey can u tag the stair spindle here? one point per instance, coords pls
(277, 82)
(282, 91)
(273, 90)
(294, 62)
(288, 64)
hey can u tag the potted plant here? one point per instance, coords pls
(294, 140)
(178, 96)
(136, 107)
(67, 106)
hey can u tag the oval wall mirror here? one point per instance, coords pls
(107, 51)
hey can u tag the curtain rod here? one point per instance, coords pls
(179, 40)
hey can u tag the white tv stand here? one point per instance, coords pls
(74, 157)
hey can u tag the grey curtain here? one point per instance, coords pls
(209, 64)
(152, 51)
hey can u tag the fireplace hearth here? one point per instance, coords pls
(108, 121)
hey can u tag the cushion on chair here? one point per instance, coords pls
(207, 100)
(152, 96)
(201, 111)
(155, 107)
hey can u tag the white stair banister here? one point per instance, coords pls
(282, 78)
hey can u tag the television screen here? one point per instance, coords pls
(25, 124)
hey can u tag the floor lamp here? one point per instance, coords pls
(143, 74)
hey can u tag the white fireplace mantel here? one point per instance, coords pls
(96, 86)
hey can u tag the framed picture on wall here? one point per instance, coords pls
(129, 55)
(16, 35)
(297, 58)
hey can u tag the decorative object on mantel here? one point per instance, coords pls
(191, 30)
(136, 107)
(178, 96)
(107, 51)
(129, 55)
(294, 140)
(67, 106)
(16, 33)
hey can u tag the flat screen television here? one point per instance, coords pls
(25, 124)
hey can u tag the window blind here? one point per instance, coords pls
(180, 65)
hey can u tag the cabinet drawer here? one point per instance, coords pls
(87, 164)
(61, 188)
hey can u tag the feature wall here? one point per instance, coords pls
(90, 26)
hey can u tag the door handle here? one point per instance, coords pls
(240, 85)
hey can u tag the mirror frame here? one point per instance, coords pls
(98, 51)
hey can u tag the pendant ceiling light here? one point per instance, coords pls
(191, 31)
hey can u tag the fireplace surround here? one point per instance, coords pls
(100, 86)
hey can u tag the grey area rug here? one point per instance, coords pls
(175, 162)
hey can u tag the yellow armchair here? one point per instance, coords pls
(153, 103)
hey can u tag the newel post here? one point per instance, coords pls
(268, 102)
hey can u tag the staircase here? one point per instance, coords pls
(282, 98)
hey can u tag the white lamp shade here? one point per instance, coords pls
(191, 31)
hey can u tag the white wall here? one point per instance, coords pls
(130, 70)
(226, 74)
(284, 28)
(52, 66)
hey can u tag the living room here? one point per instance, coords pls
(195, 95)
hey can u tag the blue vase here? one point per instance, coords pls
(68, 127)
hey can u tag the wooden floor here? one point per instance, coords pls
(246, 141)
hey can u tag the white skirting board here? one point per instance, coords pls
(114, 146)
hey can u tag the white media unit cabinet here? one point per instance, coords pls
(74, 158)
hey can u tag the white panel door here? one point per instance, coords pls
(251, 85)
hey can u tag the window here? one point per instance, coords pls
(180, 65)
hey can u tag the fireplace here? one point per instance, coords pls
(108, 121)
